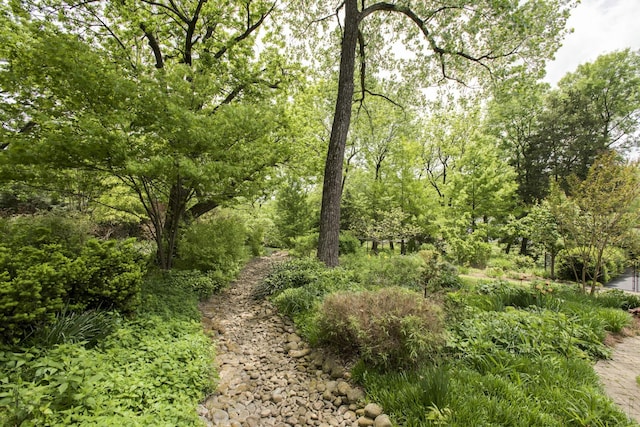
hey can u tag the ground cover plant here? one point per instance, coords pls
(516, 354)
(150, 368)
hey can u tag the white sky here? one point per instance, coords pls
(600, 26)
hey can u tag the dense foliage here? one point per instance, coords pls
(470, 348)
(128, 377)
(48, 264)
(214, 244)
(164, 119)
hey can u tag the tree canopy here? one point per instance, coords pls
(171, 98)
(447, 41)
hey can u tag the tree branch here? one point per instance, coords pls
(173, 9)
(421, 24)
(191, 28)
(250, 29)
(201, 208)
(153, 44)
(324, 18)
(363, 65)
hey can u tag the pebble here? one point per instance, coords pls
(268, 375)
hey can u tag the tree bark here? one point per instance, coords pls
(328, 243)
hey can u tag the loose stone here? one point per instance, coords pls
(269, 377)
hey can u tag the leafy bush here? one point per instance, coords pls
(293, 301)
(473, 250)
(298, 300)
(169, 296)
(217, 244)
(149, 372)
(202, 284)
(409, 396)
(511, 262)
(111, 278)
(613, 264)
(289, 274)
(614, 319)
(494, 272)
(34, 283)
(392, 327)
(517, 390)
(385, 271)
(40, 231)
(38, 282)
(616, 298)
(348, 243)
(304, 246)
(257, 229)
(438, 274)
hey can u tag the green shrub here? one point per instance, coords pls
(613, 264)
(148, 372)
(289, 274)
(386, 271)
(348, 243)
(256, 234)
(473, 250)
(36, 282)
(494, 272)
(112, 277)
(392, 327)
(614, 319)
(293, 301)
(308, 326)
(532, 332)
(43, 230)
(304, 246)
(151, 370)
(511, 262)
(201, 284)
(169, 296)
(519, 390)
(34, 285)
(216, 244)
(408, 396)
(438, 274)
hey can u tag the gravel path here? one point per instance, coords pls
(268, 375)
(618, 375)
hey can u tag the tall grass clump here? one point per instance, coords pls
(389, 328)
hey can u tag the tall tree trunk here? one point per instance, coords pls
(169, 235)
(328, 244)
(524, 243)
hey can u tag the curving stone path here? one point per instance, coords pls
(268, 375)
(618, 375)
